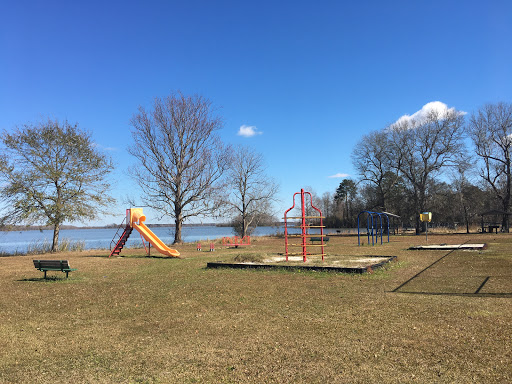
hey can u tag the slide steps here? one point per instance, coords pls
(122, 241)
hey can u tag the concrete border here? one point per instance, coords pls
(358, 270)
(449, 247)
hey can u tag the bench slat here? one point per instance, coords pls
(59, 264)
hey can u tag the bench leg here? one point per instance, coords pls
(67, 274)
(45, 274)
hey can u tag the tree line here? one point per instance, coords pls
(441, 162)
(52, 172)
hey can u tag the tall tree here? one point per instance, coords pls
(469, 198)
(491, 131)
(345, 196)
(377, 164)
(181, 159)
(52, 172)
(394, 194)
(251, 190)
(426, 146)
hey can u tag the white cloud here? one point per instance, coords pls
(338, 176)
(421, 115)
(248, 131)
(96, 145)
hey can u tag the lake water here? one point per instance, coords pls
(19, 241)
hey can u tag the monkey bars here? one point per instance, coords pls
(372, 230)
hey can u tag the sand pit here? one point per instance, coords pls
(345, 264)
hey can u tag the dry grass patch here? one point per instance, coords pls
(135, 319)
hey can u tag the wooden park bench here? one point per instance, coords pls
(319, 239)
(53, 265)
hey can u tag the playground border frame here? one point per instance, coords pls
(319, 268)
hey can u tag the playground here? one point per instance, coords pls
(429, 316)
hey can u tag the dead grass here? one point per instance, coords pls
(157, 320)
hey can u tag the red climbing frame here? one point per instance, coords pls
(304, 228)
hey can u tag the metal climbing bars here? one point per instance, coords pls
(371, 226)
(306, 222)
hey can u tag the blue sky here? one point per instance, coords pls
(311, 77)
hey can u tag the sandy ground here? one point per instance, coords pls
(352, 262)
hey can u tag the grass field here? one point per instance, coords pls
(432, 316)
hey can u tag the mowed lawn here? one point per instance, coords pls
(136, 319)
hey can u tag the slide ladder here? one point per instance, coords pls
(121, 240)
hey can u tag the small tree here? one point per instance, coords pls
(52, 172)
(252, 191)
(181, 159)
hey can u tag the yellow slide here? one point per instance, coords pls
(137, 215)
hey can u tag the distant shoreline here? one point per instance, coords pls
(15, 228)
(111, 226)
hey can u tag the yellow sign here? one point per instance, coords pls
(426, 216)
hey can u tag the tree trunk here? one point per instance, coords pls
(466, 218)
(418, 224)
(177, 231)
(420, 203)
(178, 225)
(382, 198)
(244, 217)
(504, 219)
(55, 243)
(245, 224)
(244, 230)
(506, 200)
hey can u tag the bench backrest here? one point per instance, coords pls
(57, 264)
(319, 238)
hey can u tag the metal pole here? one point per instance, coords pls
(368, 217)
(285, 237)
(303, 225)
(286, 226)
(358, 232)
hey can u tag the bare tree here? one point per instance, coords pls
(377, 164)
(425, 147)
(52, 172)
(181, 158)
(491, 131)
(469, 199)
(327, 204)
(252, 191)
